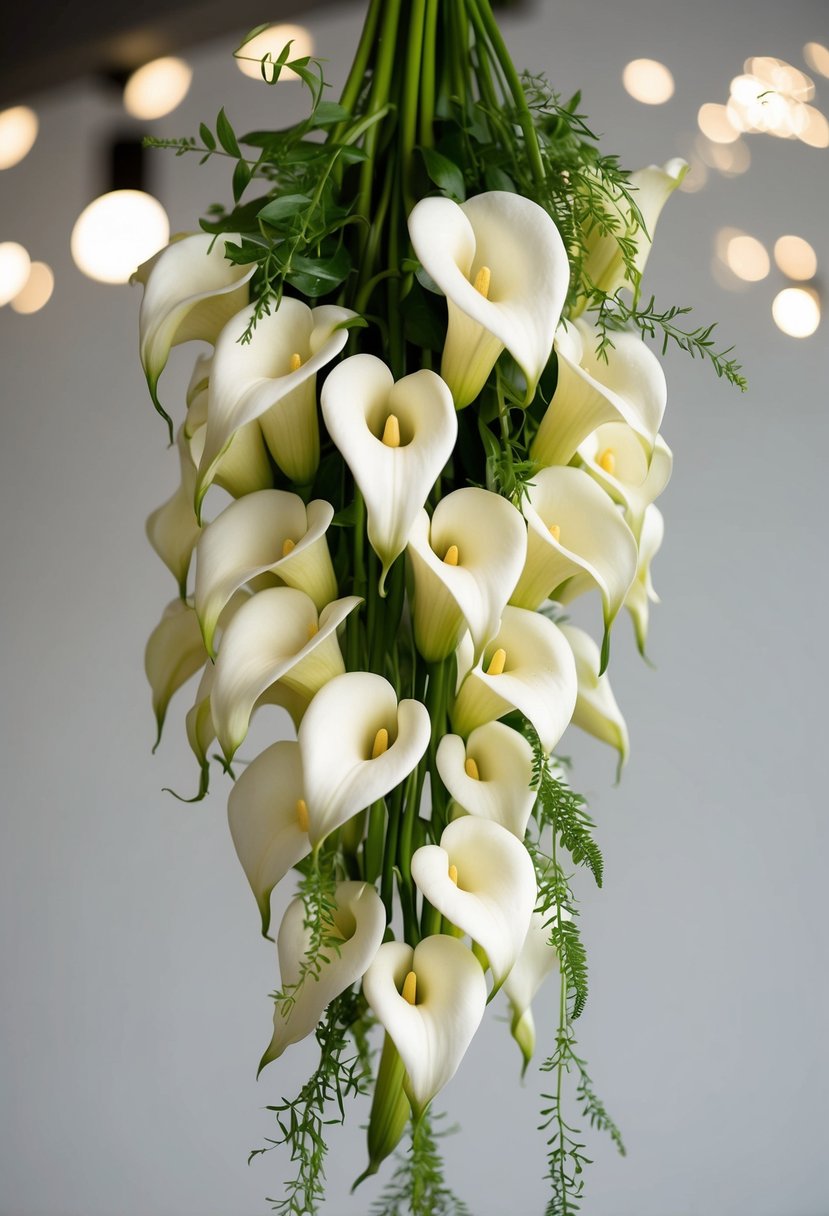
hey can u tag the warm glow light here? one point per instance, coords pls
(714, 122)
(18, 132)
(648, 81)
(271, 42)
(116, 233)
(729, 159)
(817, 57)
(782, 76)
(37, 290)
(815, 130)
(157, 88)
(695, 178)
(14, 270)
(796, 311)
(795, 257)
(747, 257)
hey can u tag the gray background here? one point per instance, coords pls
(134, 1004)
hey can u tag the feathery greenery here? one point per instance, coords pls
(417, 1186)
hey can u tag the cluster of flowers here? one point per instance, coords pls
(264, 619)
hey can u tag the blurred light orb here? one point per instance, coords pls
(795, 257)
(14, 270)
(715, 123)
(796, 311)
(116, 233)
(696, 177)
(37, 290)
(272, 42)
(781, 76)
(817, 57)
(814, 130)
(747, 258)
(157, 88)
(18, 132)
(648, 81)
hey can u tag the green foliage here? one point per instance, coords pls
(564, 811)
(317, 890)
(417, 1187)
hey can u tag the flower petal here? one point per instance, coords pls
(174, 653)
(502, 761)
(634, 482)
(596, 710)
(537, 960)
(173, 529)
(642, 594)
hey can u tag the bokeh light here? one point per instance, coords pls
(116, 233)
(157, 88)
(795, 257)
(18, 132)
(272, 41)
(648, 81)
(37, 290)
(14, 270)
(817, 57)
(715, 123)
(796, 311)
(747, 257)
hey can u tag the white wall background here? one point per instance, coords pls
(134, 983)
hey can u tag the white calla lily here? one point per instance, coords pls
(625, 384)
(642, 594)
(465, 561)
(613, 456)
(499, 260)
(395, 438)
(190, 291)
(537, 960)
(244, 466)
(270, 531)
(269, 820)
(528, 666)
(604, 267)
(430, 1000)
(596, 710)
(357, 925)
(174, 653)
(357, 744)
(172, 529)
(481, 879)
(577, 540)
(490, 775)
(272, 379)
(277, 635)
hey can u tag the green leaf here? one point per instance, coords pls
(207, 137)
(318, 276)
(280, 209)
(444, 173)
(226, 136)
(497, 179)
(329, 113)
(241, 179)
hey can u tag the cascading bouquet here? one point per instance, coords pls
(430, 402)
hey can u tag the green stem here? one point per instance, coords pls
(410, 99)
(427, 75)
(357, 75)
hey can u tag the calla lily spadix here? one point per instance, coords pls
(466, 561)
(537, 960)
(625, 384)
(272, 379)
(642, 594)
(172, 529)
(244, 466)
(395, 438)
(271, 531)
(190, 291)
(499, 260)
(430, 1000)
(490, 775)
(269, 820)
(528, 666)
(357, 744)
(577, 540)
(650, 188)
(358, 923)
(276, 635)
(596, 710)
(482, 879)
(613, 456)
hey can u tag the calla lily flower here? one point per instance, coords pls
(273, 379)
(604, 266)
(174, 653)
(642, 594)
(357, 744)
(430, 1000)
(173, 529)
(499, 260)
(277, 635)
(577, 540)
(613, 456)
(395, 438)
(244, 466)
(528, 666)
(270, 531)
(490, 775)
(190, 291)
(596, 710)
(537, 960)
(626, 384)
(466, 562)
(269, 820)
(482, 879)
(358, 923)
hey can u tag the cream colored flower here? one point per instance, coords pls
(174, 653)
(490, 775)
(537, 960)
(245, 466)
(173, 529)
(596, 710)
(642, 594)
(613, 456)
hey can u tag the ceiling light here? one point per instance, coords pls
(157, 88)
(796, 311)
(14, 270)
(37, 290)
(648, 81)
(267, 45)
(715, 123)
(817, 57)
(116, 233)
(18, 132)
(747, 257)
(795, 257)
